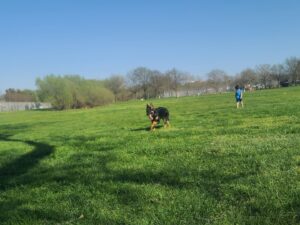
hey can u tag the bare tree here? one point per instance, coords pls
(218, 80)
(248, 77)
(278, 73)
(200, 86)
(140, 81)
(157, 83)
(175, 79)
(264, 75)
(116, 84)
(293, 69)
(2, 97)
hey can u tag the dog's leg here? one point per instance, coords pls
(153, 124)
(167, 123)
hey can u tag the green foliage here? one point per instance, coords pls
(215, 165)
(72, 92)
(97, 95)
(56, 90)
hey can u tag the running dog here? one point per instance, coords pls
(155, 114)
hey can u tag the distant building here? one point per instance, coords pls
(19, 106)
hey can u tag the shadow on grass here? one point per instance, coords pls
(141, 129)
(91, 169)
(146, 128)
(24, 163)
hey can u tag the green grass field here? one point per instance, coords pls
(215, 165)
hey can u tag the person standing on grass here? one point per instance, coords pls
(238, 97)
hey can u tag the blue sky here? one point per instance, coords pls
(97, 38)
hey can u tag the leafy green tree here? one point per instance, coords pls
(72, 91)
(56, 90)
(96, 94)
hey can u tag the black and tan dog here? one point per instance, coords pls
(155, 114)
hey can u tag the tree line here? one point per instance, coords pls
(73, 91)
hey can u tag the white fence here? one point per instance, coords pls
(19, 106)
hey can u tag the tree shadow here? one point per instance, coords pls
(165, 177)
(10, 171)
(92, 167)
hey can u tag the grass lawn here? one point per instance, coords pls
(215, 165)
